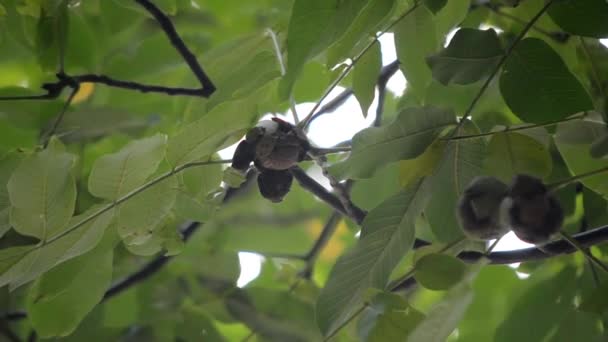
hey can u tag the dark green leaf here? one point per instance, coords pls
(585, 18)
(469, 57)
(61, 298)
(435, 5)
(537, 85)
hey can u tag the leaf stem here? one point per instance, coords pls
(277, 51)
(520, 128)
(346, 322)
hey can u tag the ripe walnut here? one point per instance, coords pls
(534, 213)
(273, 146)
(479, 209)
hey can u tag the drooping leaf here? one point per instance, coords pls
(445, 315)
(512, 153)
(114, 175)
(439, 271)
(42, 192)
(365, 75)
(405, 138)
(537, 85)
(584, 18)
(415, 39)
(470, 56)
(20, 265)
(462, 161)
(366, 23)
(306, 35)
(387, 235)
(61, 298)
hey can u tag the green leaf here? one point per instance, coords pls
(364, 25)
(584, 18)
(469, 57)
(415, 39)
(537, 303)
(20, 265)
(42, 192)
(435, 5)
(574, 148)
(203, 137)
(306, 36)
(439, 271)
(387, 234)
(388, 318)
(52, 31)
(138, 217)
(405, 138)
(445, 315)
(449, 17)
(116, 174)
(414, 169)
(462, 161)
(8, 163)
(365, 76)
(512, 153)
(61, 298)
(599, 147)
(596, 301)
(2, 10)
(537, 85)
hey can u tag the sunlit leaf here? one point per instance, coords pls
(42, 192)
(116, 174)
(405, 138)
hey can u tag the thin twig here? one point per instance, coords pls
(47, 136)
(328, 230)
(306, 121)
(54, 89)
(560, 37)
(385, 74)
(515, 129)
(167, 26)
(277, 52)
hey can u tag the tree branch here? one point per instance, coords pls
(63, 80)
